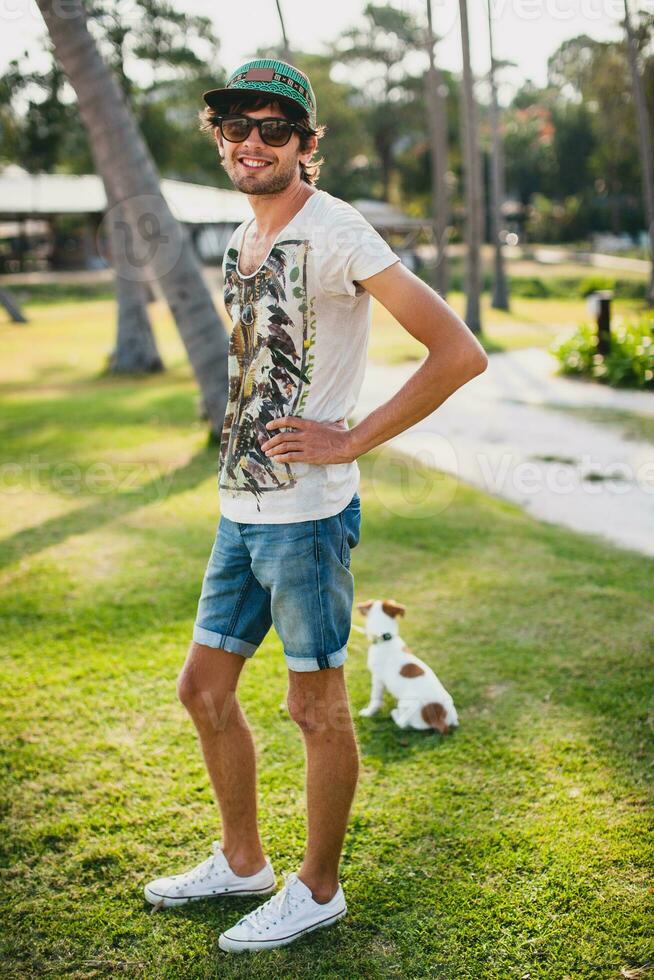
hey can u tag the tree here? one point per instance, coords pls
(154, 34)
(177, 49)
(500, 297)
(644, 142)
(123, 159)
(436, 99)
(347, 145)
(529, 143)
(135, 351)
(41, 126)
(162, 58)
(596, 74)
(382, 46)
(473, 191)
(286, 50)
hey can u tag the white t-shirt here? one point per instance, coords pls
(298, 347)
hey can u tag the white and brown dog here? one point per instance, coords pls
(422, 701)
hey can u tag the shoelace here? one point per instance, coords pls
(202, 870)
(276, 908)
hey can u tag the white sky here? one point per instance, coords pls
(525, 31)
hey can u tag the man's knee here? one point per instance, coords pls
(208, 696)
(314, 713)
(303, 711)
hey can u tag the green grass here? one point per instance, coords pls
(61, 292)
(632, 425)
(531, 323)
(519, 846)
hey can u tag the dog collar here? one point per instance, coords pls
(382, 636)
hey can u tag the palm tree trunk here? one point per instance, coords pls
(8, 303)
(436, 100)
(644, 143)
(472, 171)
(500, 298)
(286, 47)
(136, 348)
(157, 245)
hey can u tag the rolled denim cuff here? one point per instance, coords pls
(233, 644)
(316, 663)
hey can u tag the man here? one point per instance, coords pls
(299, 278)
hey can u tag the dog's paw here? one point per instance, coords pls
(369, 711)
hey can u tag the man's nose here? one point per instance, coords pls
(254, 141)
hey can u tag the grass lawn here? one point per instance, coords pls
(531, 323)
(632, 425)
(519, 847)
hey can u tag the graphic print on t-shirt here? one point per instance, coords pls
(270, 364)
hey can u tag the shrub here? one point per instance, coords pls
(530, 287)
(592, 284)
(548, 287)
(629, 363)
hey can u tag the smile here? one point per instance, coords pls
(252, 163)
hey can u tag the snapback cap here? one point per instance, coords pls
(266, 76)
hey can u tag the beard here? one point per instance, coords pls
(270, 180)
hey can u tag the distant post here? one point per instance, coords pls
(600, 305)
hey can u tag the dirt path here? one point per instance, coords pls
(498, 434)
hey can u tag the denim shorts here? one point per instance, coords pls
(295, 576)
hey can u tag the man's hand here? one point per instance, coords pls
(309, 442)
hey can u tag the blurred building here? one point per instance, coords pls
(54, 221)
(51, 222)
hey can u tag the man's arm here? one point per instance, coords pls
(454, 356)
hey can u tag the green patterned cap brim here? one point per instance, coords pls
(267, 76)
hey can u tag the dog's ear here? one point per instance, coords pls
(364, 607)
(393, 608)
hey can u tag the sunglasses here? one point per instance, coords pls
(273, 130)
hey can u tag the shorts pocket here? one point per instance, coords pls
(350, 519)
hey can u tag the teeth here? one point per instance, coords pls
(254, 163)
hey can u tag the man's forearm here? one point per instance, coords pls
(433, 382)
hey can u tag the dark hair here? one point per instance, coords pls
(294, 113)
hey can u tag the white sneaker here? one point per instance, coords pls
(286, 916)
(210, 879)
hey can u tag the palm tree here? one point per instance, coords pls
(8, 303)
(286, 50)
(472, 172)
(136, 347)
(436, 99)
(644, 142)
(156, 242)
(386, 37)
(500, 298)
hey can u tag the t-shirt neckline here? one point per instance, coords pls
(282, 231)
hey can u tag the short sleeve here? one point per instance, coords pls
(354, 251)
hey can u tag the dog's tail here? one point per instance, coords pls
(436, 717)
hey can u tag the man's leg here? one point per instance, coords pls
(318, 703)
(207, 689)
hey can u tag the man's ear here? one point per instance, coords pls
(306, 155)
(219, 141)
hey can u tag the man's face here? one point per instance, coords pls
(256, 168)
